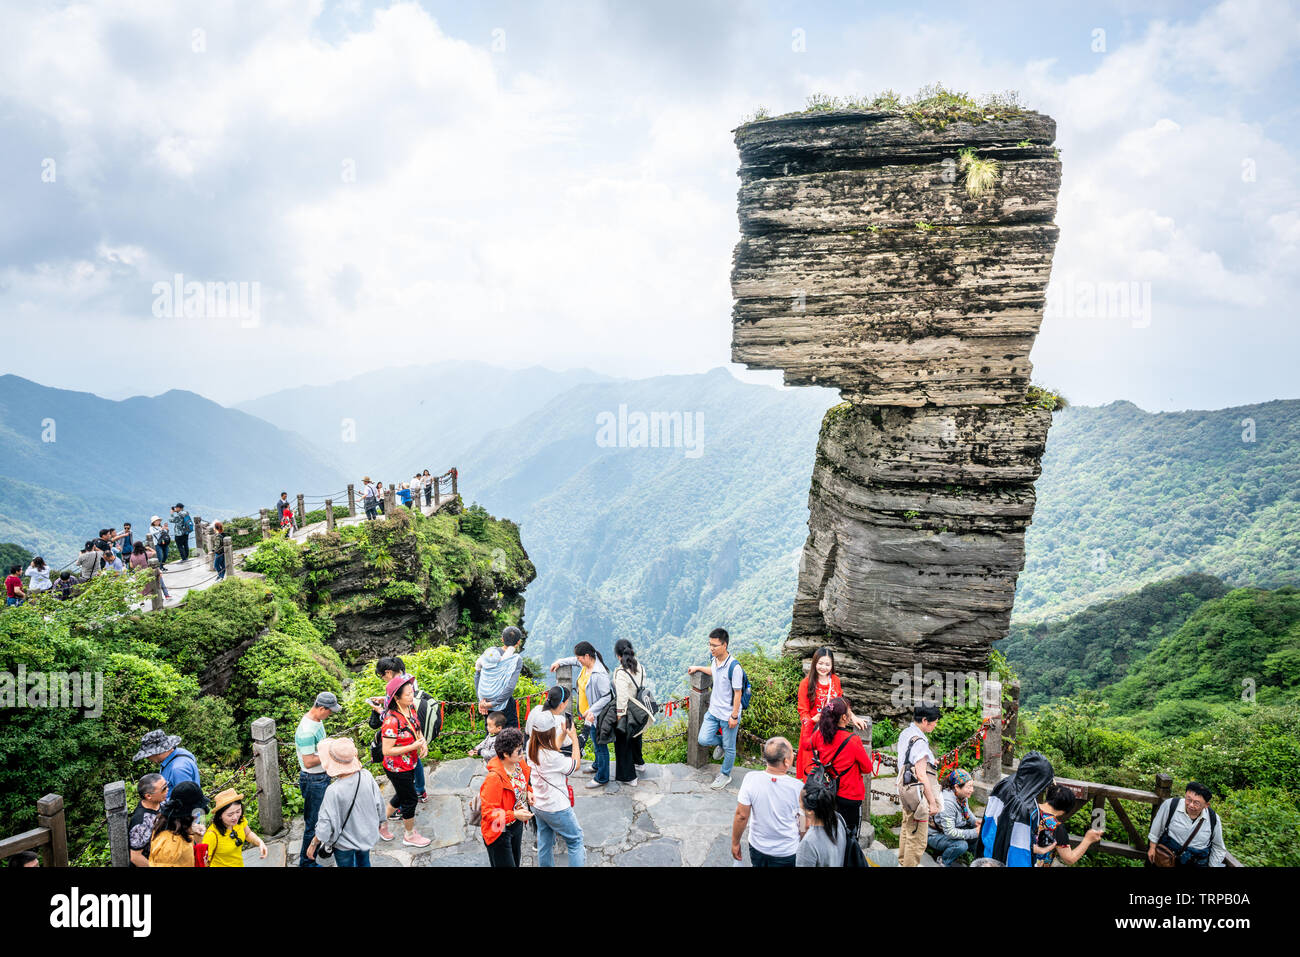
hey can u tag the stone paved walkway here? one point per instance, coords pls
(670, 819)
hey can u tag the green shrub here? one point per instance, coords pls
(1261, 827)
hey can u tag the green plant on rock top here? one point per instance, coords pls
(981, 173)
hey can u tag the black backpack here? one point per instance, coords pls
(822, 776)
(377, 743)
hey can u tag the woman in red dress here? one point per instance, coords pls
(818, 688)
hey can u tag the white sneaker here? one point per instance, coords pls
(640, 767)
(720, 782)
(717, 753)
(595, 784)
(630, 784)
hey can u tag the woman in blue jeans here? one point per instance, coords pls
(551, 767)
(593, 690)
(955, 830)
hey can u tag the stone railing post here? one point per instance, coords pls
(302, 511)
(864, 824)
(390, 501)
(211, 544)
(991, 753)
(228, 549)
(329, 514)
(266, 765)
(156, 599)
(1013, 723)
(198, 533)
(266, 524)
(564, 678)
(455, 488)
(49, 814)
(115, 813)
(352, 500)
(437, 494)
(701, 688)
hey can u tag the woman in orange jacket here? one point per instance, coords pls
(503, 800)
(818, 689)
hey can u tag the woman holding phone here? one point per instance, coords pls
(404, 746)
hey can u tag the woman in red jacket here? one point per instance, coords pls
(838, 747)
(503, 799)
(816, 691)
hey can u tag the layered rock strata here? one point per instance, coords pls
(866, 264)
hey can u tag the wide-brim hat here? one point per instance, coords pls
(223, 800)
(338, 756)
(156, 742)
(154, 519)
(395, 685)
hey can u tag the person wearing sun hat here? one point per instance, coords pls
(348, 823)
(404, 746)
(312, 779)
(229, 833)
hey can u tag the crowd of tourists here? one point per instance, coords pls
(803, 809)
(110, 551)
(407, 493)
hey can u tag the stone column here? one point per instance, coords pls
(210, 546)
(119, 851)
(701, 687)
(1013, 723)
(266, 765)
(266, 525)
(352, 500)
(437, 494)
(49, 814)
(228, 548)
(302, 512)
(564, 678)
(198, 533)
(156, 599)
(329, 514)
(866, 832)
(991, 753)
(455, 478)
(390, 501)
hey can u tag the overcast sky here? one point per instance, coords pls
(554, 183)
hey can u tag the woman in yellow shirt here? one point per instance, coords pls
(229, 833)
(173, 830)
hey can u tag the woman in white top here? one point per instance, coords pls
(38, 576)
(552, 805)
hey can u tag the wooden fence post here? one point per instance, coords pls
(266, 525)
(991, 755)
(119, 851)
(352, 500)
(49, 813)
(266, 768)
(228, 549)
(1164, 788)
(701, 688)
(302, 512)
(329, 514)
(1013, 723)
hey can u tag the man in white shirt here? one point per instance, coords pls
(722, 721)
(1189, 820)
(914, 749)
(769, 803)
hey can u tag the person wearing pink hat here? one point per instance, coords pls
(404, 746)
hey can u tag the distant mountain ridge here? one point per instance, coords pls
(114, 461)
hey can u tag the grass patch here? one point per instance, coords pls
(981, 173)
(933, 106)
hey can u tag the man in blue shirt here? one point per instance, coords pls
(175, 763)
(722, 721)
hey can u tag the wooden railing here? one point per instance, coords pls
(50, 836)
